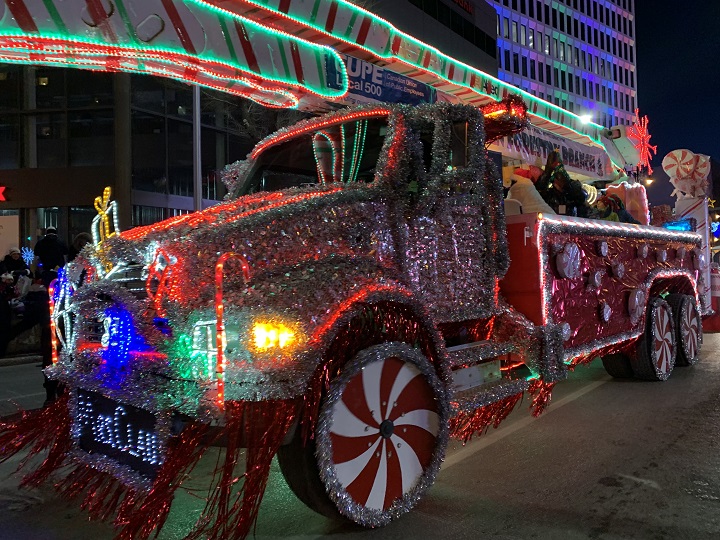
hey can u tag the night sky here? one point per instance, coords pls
(678, 74)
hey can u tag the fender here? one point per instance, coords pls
(326, 296)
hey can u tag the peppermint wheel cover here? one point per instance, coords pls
(382, 433)
(663, 341)
(690, 330)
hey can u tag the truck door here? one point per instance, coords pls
(455, 238)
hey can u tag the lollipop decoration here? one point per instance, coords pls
(688, 173)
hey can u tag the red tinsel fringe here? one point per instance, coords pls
(542, 393)
(38, 429)
(140, 516)
(96, 486)
(465, 425)
(262, 426)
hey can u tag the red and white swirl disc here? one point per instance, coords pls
(663, 340)
(702, 167)
(383, 432)
(679, 163)
(690, 330)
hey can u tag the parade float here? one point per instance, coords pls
(359, 300)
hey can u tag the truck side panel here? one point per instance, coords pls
(596, 276)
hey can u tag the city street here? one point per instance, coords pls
(609, 460)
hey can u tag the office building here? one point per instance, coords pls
(577, 54)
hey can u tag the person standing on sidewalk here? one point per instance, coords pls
(52, 253)
(7, 293)
(37, 312)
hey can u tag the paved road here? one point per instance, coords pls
(609, 460)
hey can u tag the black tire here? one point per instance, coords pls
(618, 365)
(688, 326)
(656, 350)
(299, 467)
(397, 443)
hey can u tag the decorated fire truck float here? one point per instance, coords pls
(357, 302)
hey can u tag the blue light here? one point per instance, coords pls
(62, 286)
(681, 225)
(27, 254)
(119, 338)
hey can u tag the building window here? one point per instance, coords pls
(516, 63)
(524, 66)
(506, 28)
(523, 34)
(532, 69)
(515, 31)
(9, 141)
(51, 140)
(91, 138)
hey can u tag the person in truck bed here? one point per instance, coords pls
(611, 208)
(565, 195)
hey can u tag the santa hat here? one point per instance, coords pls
(612, 201)
(521, 175)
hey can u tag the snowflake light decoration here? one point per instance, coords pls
(638, 132)
(28, 255)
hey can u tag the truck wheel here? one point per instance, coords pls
(381, 437)
(689, 328)
(656, 349)
(618, 365)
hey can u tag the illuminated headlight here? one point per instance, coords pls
(269, 336)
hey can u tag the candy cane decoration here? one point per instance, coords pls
(101, 230)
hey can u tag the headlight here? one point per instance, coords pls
(273, 335)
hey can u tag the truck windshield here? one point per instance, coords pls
(342, 153)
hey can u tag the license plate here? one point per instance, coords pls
(126, 434)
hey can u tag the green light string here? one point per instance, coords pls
(358, 149)
(439, 64)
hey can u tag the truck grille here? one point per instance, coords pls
(131, 277)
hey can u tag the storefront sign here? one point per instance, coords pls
(534, 144)
(369, 83)
(2, 193)
(466, 5)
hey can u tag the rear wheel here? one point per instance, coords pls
(380, 439)
(618, 365)
(656, 349)
(689, 328)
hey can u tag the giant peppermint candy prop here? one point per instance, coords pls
(688, 173)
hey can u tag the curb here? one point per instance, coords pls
(21, 359)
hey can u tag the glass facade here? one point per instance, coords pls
(62, 123)
(162, 143)
(592, 41)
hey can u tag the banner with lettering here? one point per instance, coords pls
(533, 145)
(368, 83)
